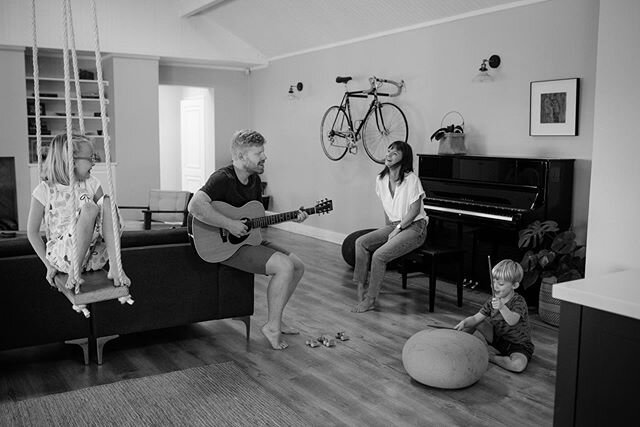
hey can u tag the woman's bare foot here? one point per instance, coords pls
(273, 336)
(116, 278)
(288, 330)
(368, 303)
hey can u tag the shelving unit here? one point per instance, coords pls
(52, 110)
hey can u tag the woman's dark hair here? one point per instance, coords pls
(406, 164)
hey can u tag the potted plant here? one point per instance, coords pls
(552, 256)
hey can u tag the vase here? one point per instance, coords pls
(548, 306)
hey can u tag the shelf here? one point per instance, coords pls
(51, 136)
(60, 79)
(65, 117)
(49, 98)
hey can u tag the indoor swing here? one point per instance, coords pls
(97, 286)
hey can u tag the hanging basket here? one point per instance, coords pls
(451, 138)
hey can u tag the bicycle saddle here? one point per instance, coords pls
(342, 79)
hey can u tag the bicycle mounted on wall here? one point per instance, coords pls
(382, 124)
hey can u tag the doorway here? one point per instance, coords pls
(187, 142)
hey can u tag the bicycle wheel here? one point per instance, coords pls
(334, 133)
(384, 125)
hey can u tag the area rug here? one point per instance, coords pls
(214, 395)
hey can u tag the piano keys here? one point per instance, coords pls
(494, 197)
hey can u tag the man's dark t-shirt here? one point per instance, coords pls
(223, 185)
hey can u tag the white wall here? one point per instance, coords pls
(538, 42)
(614, 236)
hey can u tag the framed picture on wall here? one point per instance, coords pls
(553, 108)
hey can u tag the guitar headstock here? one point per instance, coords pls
(323, 206)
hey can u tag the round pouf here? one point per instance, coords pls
(445, 358)
(349, 246)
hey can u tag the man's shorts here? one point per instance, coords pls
(253, 259)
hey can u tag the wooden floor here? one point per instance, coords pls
(360, 382)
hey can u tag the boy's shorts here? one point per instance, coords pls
(59, 250)
(253, 259)
(507, 348)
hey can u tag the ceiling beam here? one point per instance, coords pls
(189, 8)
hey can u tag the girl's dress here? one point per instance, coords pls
(59, 220)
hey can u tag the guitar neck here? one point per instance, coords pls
(277, 218)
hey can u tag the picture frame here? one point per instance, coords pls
(553, 107)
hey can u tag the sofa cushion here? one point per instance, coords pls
(166, 236)
(19, 245)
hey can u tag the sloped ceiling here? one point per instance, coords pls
(281, 28)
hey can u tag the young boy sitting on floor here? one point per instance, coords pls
(503, 321)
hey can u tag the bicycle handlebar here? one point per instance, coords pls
(376, 83)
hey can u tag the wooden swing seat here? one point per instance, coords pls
(96, 287)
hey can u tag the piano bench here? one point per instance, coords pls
(427, 257)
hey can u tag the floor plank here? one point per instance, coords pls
(357, 382)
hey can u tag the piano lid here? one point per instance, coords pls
(512, 183)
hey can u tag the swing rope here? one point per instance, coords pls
(74, 267)
(36, 87)
(69, 37)
(76, 72)
(107, 144)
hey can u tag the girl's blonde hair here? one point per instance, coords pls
(508, 270)
(55, 169)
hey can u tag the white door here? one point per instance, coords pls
(192, 138)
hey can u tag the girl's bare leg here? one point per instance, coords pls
(84, 232)
(108, 234)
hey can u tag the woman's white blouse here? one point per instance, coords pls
(397, 206)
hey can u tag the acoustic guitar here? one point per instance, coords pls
(215, 244)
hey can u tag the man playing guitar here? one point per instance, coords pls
(238, 184)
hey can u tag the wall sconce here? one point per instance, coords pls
(294, 90)
(483, 72)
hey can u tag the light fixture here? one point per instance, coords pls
(483, 72)
(294, 90)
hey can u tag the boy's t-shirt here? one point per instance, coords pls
(223, 185)
(520, 333)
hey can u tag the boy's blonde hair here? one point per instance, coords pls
(508, 270)
(55, 169)
(243, 139)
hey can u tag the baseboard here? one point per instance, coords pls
(310, 231)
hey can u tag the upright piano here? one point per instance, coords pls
(491, 198)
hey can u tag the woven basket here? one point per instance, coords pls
(548, 306)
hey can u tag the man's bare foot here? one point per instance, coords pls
(113, 275)
(273, 336)
(368, 303)
(288, 330)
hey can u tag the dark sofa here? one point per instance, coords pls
(171, 286)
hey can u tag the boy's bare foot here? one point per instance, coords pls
(273, 336)
(368, 303)
(288, 330)
(113, 275)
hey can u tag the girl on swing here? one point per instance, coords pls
(52, 201)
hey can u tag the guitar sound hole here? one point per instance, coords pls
(235, 240)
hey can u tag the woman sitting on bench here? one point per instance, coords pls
(405, 229)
